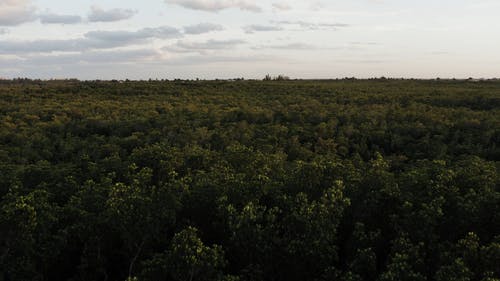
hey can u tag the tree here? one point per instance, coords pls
(189, 259)
(141, 211)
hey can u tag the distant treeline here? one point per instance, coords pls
(267, 77)
(379, 179)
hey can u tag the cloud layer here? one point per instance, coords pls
(217, 5)
(202, 28)
(203, 47)
(98, 14)
(15, 12)
(42, 38)
(307, 25)
(90, 41)
(257, 27)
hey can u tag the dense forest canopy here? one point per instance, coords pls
(250, 180)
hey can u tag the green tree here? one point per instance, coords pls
(189, 259)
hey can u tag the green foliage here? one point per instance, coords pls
(249, 180)
(189, 259)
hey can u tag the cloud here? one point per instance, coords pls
(85, 63)
(282, 6)
(41, 46)
(312, 25)
(163, 32)
(3, 31)
(136, 64)
(90, 41)
(97, 57)
(256, 28)
(301, 25)
(99, 15)
(202, 28)
(217, 5)
(201, 47)
(59, 19)
(15, 12)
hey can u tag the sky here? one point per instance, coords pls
(208, 39)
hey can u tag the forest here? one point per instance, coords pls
(293, 180)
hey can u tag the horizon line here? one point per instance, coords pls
(273, 79)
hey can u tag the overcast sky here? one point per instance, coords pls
(118, 39)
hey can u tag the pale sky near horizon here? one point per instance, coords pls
(118, 39)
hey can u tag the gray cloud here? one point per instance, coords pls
(140, 64)
(120, 56)
(202, 28)
(15, 12)
(41, 46)
(90, 40)
(76, 65)
(3, 31)
(301, 25)
(257, 28)
(211, 44)
(99, 15)
(216, 5)
(59, 19)
(201, 47)
(100, 57)
(163, 32)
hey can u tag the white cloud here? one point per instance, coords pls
(202, 28)
(15, 12)
(98, 14)
(217, 5)
(305, 25)
(282, 6)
